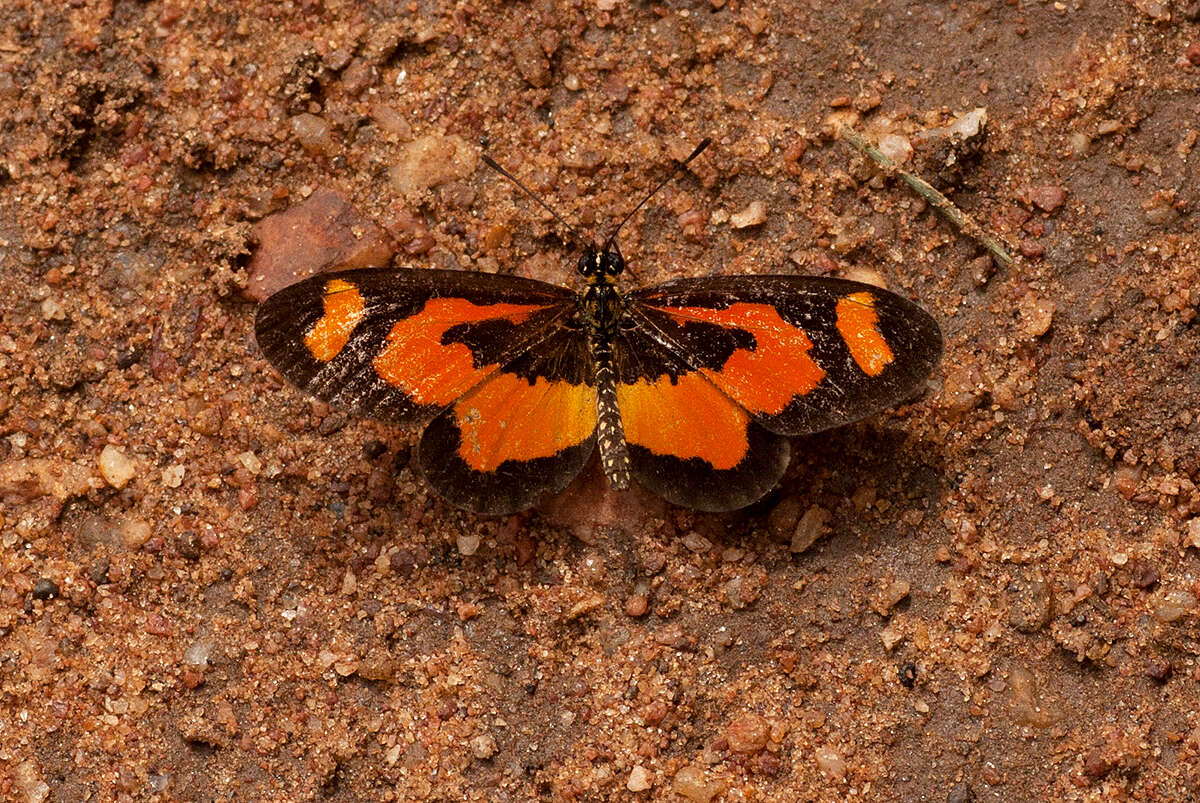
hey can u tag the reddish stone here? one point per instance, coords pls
(747, 734)
(159, 625)
(324, 233)
(1047, 198)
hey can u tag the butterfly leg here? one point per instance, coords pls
(610, 432)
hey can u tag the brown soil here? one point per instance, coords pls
(214, 588)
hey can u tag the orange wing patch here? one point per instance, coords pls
(415, 360)
(344, 308)
(684, 419)
(507, 418)
(858, 323)
(780, 367)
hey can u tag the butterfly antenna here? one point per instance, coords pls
(679, 167)
(492, 163)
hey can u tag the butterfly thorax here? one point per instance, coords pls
(602, 306)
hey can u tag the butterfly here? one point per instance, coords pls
(690, 388)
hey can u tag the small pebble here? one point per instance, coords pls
(1126, 479)
(969, 124)
(696, 542)
(377, 664)
(431, 161)
(197, 654)
(53, 310)
(747, 734)
(468, 543)
(135, 533)
(830, 762)
(45, 588)
(1143, 574)
(896, 147)
(483, 746)
(784, 517)
(1037, 315)
(313, 133)
(640, 779)
(1157, 669)
(1192, 530)
(1157, 10)
(891, 636)
(811, 527)
(1047, 198)
(1172, 606)
(115, 467)
(753, 215)
(654, 713)
(530, 60)
(890, 596)
(172, 476)
(1096, 765)
(346, 665)
(866, 276)
(27, 778)
(325, 232)
(159, 625)
(1030, 248)
(636, 605)
(1080, 144)
(691, 783)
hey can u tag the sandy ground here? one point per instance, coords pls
(213, 588)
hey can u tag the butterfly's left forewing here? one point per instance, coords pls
(402, 345)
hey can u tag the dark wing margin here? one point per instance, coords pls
(525, 431)
(401, 345)
(801, 354)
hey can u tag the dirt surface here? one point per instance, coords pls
(214, 588)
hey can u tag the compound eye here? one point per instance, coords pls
(615, 263)
(589, 263)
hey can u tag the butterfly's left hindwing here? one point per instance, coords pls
(527, 430)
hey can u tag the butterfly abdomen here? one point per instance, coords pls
(610, 433)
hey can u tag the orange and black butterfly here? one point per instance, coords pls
(691, 388)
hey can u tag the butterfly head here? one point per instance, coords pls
(601, 265)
